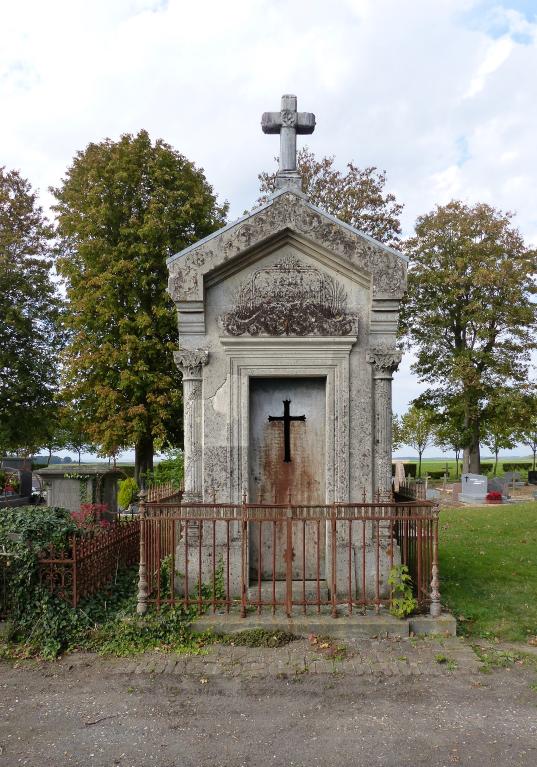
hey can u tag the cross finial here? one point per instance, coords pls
(288, 122)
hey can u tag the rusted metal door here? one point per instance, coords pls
(287, 460)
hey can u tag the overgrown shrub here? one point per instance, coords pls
(171, 469)
(402, 602)
(35, 615)
(128, 491)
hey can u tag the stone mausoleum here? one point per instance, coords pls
(287, 323)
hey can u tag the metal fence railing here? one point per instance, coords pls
(335, 558)
(90, 563)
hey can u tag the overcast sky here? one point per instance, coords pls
(442, 95)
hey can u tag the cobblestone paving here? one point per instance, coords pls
(365, 657)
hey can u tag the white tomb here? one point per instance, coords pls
(287, 323)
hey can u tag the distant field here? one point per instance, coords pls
(488, 568)
(439, 464)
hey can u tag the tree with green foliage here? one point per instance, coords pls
(30, 308)
(357, 197)
(503, 419)
(122, 209)
(396, 432)
(527, 422)
(449, 436)
(448, 426)
(170, 469)
(469, 312)
(417, 430)
(127, 493)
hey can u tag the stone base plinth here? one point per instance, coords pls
(343, 627)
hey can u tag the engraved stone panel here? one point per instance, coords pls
(290, 298)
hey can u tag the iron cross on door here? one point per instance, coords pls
(286, 418)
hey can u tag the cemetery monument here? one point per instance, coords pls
(287, 324)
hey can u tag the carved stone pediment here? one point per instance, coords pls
(290, 298)
(286, 211)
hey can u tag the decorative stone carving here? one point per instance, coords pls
(384, 360)
(191, 361)
(293, 299)
(287, 210)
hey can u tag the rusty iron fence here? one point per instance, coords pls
(412, 489)
(161, 491)
(90, 562)
(335, 558)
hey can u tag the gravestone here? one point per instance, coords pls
(287, 324)
(498, 485)
(532, 477)
(473, 488)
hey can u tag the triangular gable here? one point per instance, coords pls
(286, 211)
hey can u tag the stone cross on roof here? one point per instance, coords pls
(288, 122)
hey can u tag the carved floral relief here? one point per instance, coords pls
(290, 298)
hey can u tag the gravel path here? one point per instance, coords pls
(386, 703)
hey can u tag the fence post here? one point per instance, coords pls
(244, 554)
(141, 607)
(289, 562)
(436, 607)
(75, 571)
(333, 548)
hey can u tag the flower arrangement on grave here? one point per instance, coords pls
(493, 497)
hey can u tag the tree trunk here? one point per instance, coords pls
(143, 461)
(419, 466)
(496, 462)
(471, 456)
(457, 454)
(534, 451)
(49, 456)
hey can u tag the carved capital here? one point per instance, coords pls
(385, 360)
(190, 361)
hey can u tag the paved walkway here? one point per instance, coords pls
(389, 703)
(364, 657)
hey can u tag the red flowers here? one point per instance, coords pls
(90, 516)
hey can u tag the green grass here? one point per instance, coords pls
(488, 567)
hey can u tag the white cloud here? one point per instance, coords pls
(497, 52)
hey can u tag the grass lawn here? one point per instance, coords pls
(488, 567)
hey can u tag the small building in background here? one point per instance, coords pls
(69, 486)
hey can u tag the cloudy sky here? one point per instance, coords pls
(442, 95)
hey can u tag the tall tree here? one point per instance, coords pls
(501, 423)
(469, 310)
(357, 197)
(449, 435)
(527, 433)
(122, 209)
(29, 318)
(417, 430)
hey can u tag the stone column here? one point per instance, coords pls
(384, 361)
(190, 363)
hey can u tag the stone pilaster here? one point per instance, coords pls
(190, 362)
(384, 361)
